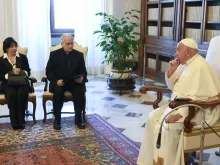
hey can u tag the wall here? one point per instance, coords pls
(121, 6)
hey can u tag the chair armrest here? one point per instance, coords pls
(32, 80)
(143, 89)
(44, 79)
(176, 103)
(192, 112)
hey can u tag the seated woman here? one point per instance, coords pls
(16, 96)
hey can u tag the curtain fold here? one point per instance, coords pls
(8, 19)
(86, 23)
(34, 33)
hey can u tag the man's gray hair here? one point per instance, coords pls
(64, 35)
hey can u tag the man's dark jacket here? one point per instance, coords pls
(64, 66)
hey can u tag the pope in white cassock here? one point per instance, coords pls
(188, 76)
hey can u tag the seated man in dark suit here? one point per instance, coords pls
(66, 71)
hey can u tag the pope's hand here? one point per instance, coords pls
(172, 66)
(173, 118)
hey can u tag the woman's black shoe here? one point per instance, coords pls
(18, 127)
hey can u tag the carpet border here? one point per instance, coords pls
(114, 129)
(119, 133)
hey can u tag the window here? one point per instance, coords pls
(61, 17)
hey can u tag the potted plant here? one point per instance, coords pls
(118, 39)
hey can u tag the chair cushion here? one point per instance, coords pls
(31, 95)
(76, 46)
(2, 96)
(21, 50)
(67, 94)
(192, 140)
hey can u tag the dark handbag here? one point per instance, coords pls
(17, 79)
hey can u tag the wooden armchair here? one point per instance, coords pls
(31, 97)
(48, 96)
(191, 135)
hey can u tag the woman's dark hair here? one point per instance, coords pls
(8, 42)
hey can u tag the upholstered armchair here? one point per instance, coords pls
(31, 97)
(48, 96)
(191, 135)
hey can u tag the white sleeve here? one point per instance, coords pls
(184, 112)
(172, 80)
(25, 72)
(6, 76)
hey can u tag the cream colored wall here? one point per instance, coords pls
(121, 6)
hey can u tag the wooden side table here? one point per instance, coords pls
(121, 84)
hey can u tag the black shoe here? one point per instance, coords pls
(81, 125)
(56, 126)
(21, 127)
(15, 127)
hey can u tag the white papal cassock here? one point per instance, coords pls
(195, 80)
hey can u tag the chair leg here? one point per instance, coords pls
(84, 110)
(34, 110)
(26, 110)
(45, 110)
(84, 115)
(217, 153)
(186, 158)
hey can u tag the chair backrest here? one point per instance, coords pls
(76, 46)
(213, 54)
(22, 50)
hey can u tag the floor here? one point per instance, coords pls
(127, 112)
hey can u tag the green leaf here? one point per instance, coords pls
(136, 33)
(127, 12)
(134, 16)
(124, 22)
(103, 43)
(97, 31)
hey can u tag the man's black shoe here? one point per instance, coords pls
(21, 127)
(15, 127)
(56, 126)
(81, 125)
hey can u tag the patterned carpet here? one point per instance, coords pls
(100, 143)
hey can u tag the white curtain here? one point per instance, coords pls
(34, 33)
(8, 19)
(86, 24)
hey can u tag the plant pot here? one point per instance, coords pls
(122, 74)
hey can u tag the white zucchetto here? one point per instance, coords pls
(189, 43)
